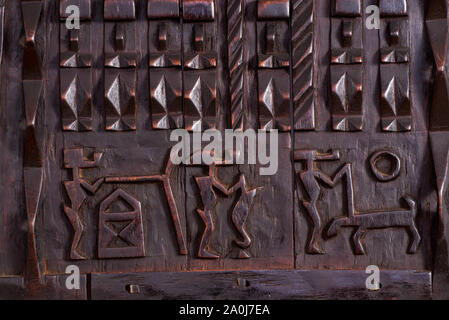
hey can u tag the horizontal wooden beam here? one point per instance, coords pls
(52, 288)
(292, 284)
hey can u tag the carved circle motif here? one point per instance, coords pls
(385, 165)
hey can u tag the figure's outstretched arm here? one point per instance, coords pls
(220, 186)
(92, 188)
(345, 171)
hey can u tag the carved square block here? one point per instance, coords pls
(119, 10)
(274, 100)
(269, 9)
(120, 100)
(75, 46)
(163, 9)
(166, 98)
(200, 109)
(347, 97)
(200, 45)
(393, 7)
(394, 41)
(351, 8)
(273, 44)
(346, 41)
(165, 43)
(395, 97)
(194, 10)
(76, 99)
(120, 44)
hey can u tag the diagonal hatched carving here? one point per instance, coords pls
(236, 67)
(302, 58)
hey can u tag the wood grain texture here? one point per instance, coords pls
(261, 285)
(111, 87)
(14, 288)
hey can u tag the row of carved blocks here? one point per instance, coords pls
(347, 68)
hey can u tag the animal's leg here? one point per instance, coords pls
(357, 239)
(209, 228)
(313, 247)
(416, 238)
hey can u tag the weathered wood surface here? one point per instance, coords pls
(15, 288)
(119, 85)
(260, 285)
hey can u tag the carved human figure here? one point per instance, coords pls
(310, 177)
(74, 159)
(209, 198)
(240, 214)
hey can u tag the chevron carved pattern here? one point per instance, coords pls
(302, 57)
(236, 58)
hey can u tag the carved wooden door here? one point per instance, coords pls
(357, 90)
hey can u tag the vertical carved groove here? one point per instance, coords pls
(236, 51)
(32, 166)
(302, 59)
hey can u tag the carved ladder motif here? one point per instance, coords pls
(346, 65)
(394, 68)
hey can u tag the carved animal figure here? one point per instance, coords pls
(379, 220)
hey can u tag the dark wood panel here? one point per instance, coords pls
(85, 123)
(260, 285)
(14, 288)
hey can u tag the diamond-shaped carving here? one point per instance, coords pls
(76, 107)
(346, 92)
(166, 107)
(200, 106)
(347, 111)
(395, 98)
(120, 106)
(274, 107)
